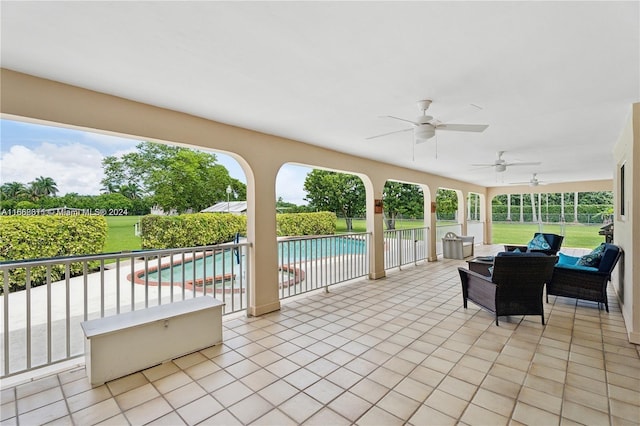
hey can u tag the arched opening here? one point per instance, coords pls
(578, 216)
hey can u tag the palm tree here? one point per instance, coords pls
(43, 186)
(109, 188)
(131, 190)
(13, 190)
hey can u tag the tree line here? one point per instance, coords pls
(155, 175)
(186, 180)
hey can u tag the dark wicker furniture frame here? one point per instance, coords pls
(515, 288)
(586, 285)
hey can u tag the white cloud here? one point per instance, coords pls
(77, 166)
(290, 183)
(74, 167)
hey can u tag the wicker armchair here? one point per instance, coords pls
(515, 288)
(554, 241)
(584, 283)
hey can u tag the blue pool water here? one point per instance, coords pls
(289, 251)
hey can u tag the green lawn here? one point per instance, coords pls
(120, 234)
(576, 236)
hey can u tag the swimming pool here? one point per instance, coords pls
(223, 269)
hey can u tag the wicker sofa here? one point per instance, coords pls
(515, 286)
(554, 241)
(583, 282)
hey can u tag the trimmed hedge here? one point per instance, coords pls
(190, 230)
(35, 237)
(296, 224)
(201, 229)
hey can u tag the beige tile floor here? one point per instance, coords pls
(400, 350)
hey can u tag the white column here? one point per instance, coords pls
(375, 225)
(261, 231)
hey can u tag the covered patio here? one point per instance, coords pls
(296, 86)
(400, 350)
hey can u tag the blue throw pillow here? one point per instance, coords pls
(517, 250)
(565, 259)
(538, 243)
(592, 259)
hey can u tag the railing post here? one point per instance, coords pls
(247, 280)
(5, 291)
(399, 249)
(415, 246)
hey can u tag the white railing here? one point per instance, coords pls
(404, 246)
(40, 325)
(476, 229)
(307, 264)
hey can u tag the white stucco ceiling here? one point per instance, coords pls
(555, 80)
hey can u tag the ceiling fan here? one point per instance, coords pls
(531, 182)
(501, 164)
(425, 126)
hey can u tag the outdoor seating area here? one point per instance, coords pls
(401, 350)
(512, 281)
(514, 287)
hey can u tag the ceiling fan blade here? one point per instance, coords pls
(463, 127)
(459, 113)
(538, 183)
(402, 119)
(483, 165)
(387, 134)
(523, 164)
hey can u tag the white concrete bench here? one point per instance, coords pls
(123, 344)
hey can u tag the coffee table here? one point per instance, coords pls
(481, 265)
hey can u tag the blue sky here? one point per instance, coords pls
(73, 158)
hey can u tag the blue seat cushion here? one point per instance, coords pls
(577, 267)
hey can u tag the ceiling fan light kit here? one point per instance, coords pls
(424, 132)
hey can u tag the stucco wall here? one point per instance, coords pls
(626, 278)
